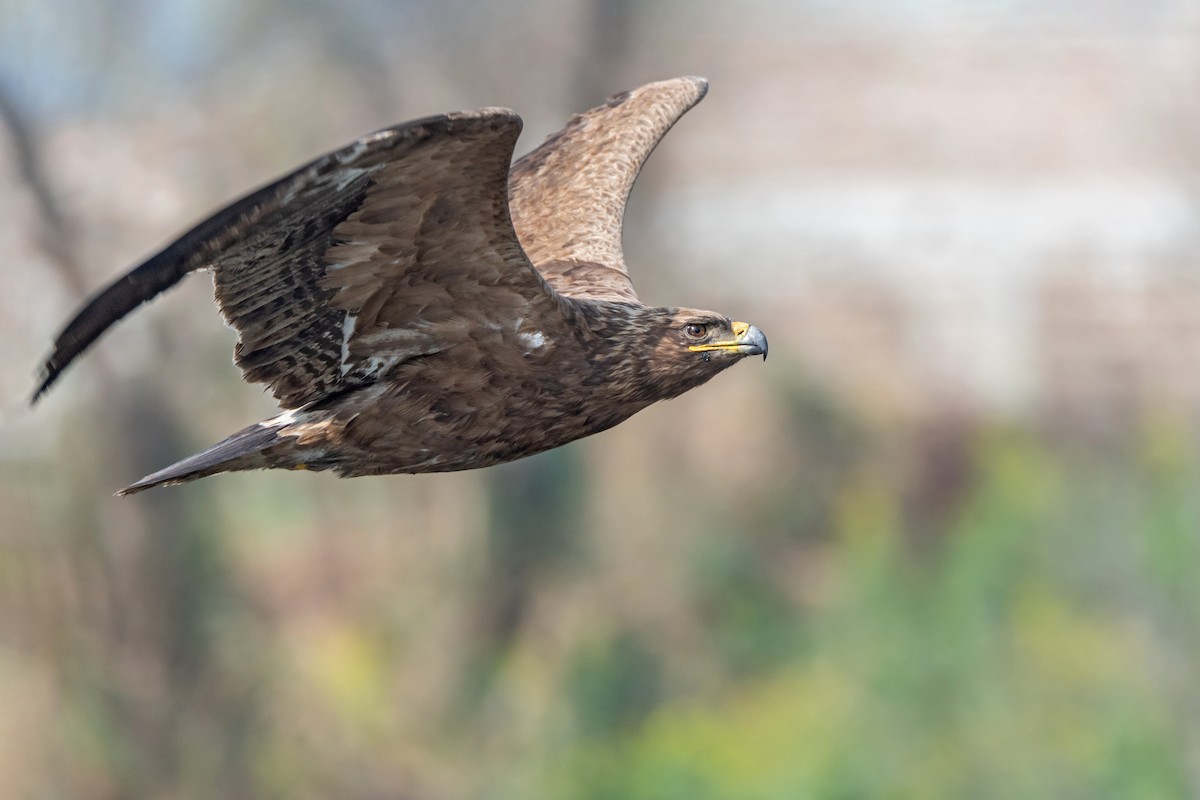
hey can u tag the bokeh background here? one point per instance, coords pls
(945, 543)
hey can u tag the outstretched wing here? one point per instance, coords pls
(568, 196)
(386, 249)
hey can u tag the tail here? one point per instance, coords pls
(237, 452)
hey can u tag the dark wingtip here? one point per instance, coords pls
(45, 377)
(103, 309)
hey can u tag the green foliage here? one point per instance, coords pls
(613, 686)
(981, 672)
(748, 616)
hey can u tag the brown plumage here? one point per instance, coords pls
(417, 306)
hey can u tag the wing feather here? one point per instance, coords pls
(568, 196)
(398, 229)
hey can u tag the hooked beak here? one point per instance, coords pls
(747, 341)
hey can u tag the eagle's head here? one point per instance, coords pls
(693, 346)
(660, 353)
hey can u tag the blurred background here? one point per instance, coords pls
(949, 546)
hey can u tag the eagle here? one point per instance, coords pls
(416, 302)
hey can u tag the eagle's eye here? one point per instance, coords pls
(695, 330)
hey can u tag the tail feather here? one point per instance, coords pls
(233, 453)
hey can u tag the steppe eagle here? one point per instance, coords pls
(416, 305)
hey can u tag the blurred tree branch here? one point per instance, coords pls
(54, 234)
(155, 563)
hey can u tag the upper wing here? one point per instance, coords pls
(567, 197)
(388, 248)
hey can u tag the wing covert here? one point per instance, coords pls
(568, 196)
(413, 251)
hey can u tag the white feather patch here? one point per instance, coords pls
(532, 341)
(347, 334)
